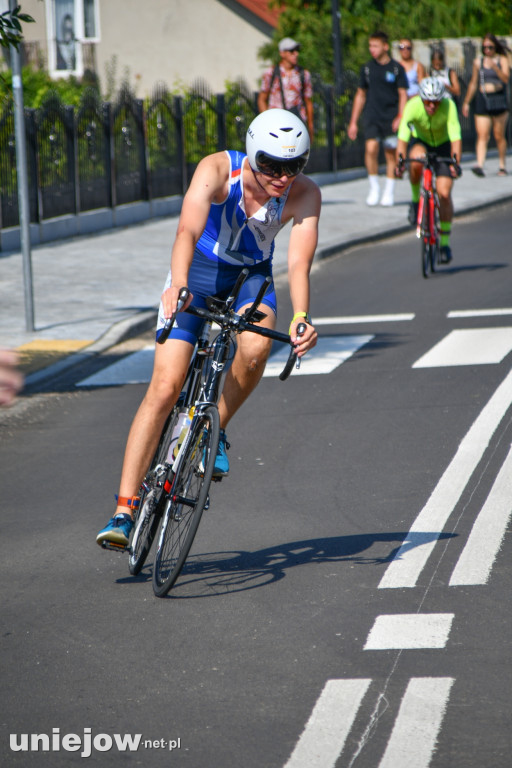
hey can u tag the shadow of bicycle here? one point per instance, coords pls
(211, 574)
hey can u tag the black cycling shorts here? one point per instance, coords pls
(443, 150)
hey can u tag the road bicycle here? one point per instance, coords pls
(176, 488)
(428, 220)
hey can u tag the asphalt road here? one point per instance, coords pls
(346, 602)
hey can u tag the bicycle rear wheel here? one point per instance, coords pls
(148, 515)
(186, 501)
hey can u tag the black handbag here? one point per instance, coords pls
(495, 101)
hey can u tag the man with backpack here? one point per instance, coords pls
(288, 86)
(382, 93)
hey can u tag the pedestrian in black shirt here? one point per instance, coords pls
(382, 93)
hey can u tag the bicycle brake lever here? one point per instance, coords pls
(301, 330)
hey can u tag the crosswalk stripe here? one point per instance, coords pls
(133, 369)
(329, 353)
(474, 346)
(410, 559)
(354, 319)
(479, 313)
(417, 725)
(323, 738)
(409, 630)
(477, 558)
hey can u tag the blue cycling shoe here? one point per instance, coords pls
(221, 467)
(117, 532)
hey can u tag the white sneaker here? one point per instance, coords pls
(387, 199)
(373, 197)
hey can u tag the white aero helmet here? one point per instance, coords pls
(277, 143)
(432, 89)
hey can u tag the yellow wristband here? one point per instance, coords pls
(305, 315)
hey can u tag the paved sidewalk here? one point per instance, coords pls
(92, 292)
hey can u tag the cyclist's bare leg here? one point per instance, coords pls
(499, 124)
(483, 125)
(444, 191)
(169, 372)
(246, 369)
(415, 169)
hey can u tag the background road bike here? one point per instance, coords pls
(428, 221)
(176, 488)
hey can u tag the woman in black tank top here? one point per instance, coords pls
(489, 81)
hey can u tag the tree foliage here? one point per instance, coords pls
(10, 27)
(310, 23)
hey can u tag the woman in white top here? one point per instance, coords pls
(449, 77)
(414, 70)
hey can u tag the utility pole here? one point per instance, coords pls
(336, 36)
(22, 177)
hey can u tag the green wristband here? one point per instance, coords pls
(305, 315)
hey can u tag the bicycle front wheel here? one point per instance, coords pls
(148, 515)
(425, 237)
(186, 500)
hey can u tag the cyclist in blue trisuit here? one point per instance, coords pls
(234, 208)
(436, 129)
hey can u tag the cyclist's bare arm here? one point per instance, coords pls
(208, 185)
(303, 207)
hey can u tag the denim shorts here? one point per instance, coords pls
(216, 278)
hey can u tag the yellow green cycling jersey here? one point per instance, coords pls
(434, 129)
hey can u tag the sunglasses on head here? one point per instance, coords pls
(276, 168)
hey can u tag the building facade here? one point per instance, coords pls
(175, 42)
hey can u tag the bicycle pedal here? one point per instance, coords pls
(115, 547)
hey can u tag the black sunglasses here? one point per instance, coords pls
(276, 168)
(488, 47)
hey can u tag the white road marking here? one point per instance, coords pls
(329, 353)
(134, 369)
(476, 346)
(351, 319)
(417, 725)
(409, 630)
(419, 543)
(324, 735)
(477, 558)
(479, 313)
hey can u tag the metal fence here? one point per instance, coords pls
(105, 154)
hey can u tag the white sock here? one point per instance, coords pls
(374, 181)
(390, 186)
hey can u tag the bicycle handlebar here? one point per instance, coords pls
(428, 159)
(227, 318)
